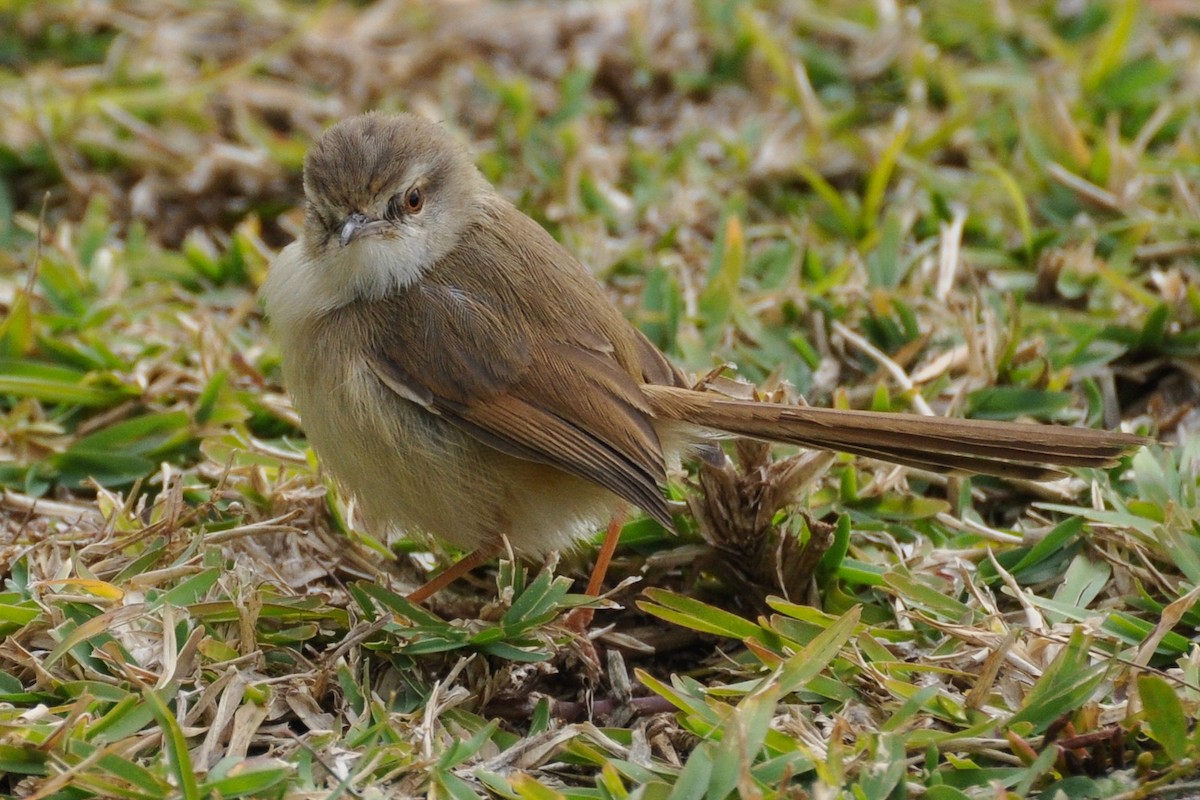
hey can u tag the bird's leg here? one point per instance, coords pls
(455, 571)
(609, 546)
(580, 619)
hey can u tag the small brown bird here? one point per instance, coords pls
(463, 375)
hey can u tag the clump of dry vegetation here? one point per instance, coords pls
(979, 207)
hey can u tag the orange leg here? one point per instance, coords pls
(604, 557)
(452, 573)
(580, 619)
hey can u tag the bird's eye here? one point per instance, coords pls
(409, 202)
(414, 200)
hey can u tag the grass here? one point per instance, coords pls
(976, 206)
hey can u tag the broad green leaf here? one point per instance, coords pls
(251, 782)
(458, 789)
(538, 603)
(694, 778)
(54, 384)
(148, 435)
(679, 698)
(123, 720)
(883, 773)
(190, 590)
(1011, 402)
(175, 746)
(697, 615)
(900, 507)
(1166, 721)
(460, 750)
(916, 593)
(1066, 531)
(1134, 631)
(133, 773)
(1067, 684)
(833, 557)
(805, 665)
(19, 760)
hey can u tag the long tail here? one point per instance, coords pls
(941, 444)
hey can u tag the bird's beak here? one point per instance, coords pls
(357, 225)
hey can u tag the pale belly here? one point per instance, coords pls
(412, 470)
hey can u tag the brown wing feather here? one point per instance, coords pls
(568, 396)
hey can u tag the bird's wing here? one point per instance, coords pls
(551, 394)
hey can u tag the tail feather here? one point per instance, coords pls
(1006, 449)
